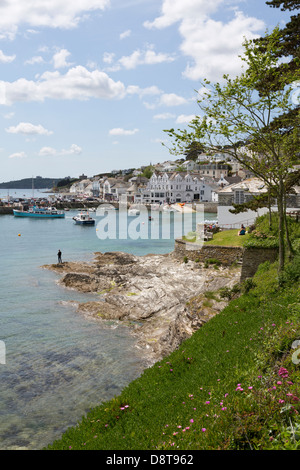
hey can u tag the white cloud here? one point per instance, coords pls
(5, 59)
(164, 116)
(171, 99)
(35, 60)
(9, 115)
(120, 131)
(73, 150)
(60, 59)
(18, 155)
(167, 99)
(108, 57)
(27, 128)
(213, 46)
(78, 83)
(174, 11)
(47, 151)
(147, 57)
(136, 90)
(185, 119)
(51, 152)
(125, 34)
(45, 13)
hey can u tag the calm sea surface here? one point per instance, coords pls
(57, 364)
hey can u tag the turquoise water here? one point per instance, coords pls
(58, 364)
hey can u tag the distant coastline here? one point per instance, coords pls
(27, 183)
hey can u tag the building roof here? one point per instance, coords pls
(253, 185)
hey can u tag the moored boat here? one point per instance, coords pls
(40, 212)
(133, 212)
(83, 219)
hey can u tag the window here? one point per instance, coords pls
(239, 197)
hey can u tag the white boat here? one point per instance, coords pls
(168, 208)
(83, 218)
(133, 212)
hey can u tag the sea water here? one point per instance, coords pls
(56, 364)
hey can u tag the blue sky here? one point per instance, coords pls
(87, 86)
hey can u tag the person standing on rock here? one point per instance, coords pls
(59, 257)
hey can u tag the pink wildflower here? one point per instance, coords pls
(283, 372)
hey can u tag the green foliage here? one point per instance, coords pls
(265, 235)
(248, 284)
(261, 243)
(291, 272)
(230, 293)
(148, 171)
(213, 261)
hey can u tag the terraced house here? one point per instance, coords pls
(177, 187)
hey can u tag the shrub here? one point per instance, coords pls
(227, 293)
(291, 272)
(214, 261)
(248, 284)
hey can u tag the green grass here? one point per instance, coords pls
(223, 238)
(228, 238)
(219, 390)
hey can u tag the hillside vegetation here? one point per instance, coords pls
(234, 385)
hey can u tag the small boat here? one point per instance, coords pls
(169, 208)
(39, 212)
(133, 212)
(83, 219)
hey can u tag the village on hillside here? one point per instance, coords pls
(208, 183)
(220, 180)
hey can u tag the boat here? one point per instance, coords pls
(40, 212)
(83, 219)
(133, 212)
(169, 208)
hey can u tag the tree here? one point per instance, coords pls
(193, 151)
(240, 115)
(148, 171)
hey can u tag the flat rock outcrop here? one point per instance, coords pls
(155, 295)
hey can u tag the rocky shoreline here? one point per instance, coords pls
(160, 298)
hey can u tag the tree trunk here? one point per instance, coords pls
(280, 205)
(270, 211)
(287, 233)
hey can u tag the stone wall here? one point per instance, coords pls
(6, 210)
(250, 258)
(226, 254)
(253, 257)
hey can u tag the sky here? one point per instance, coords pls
(88, 86)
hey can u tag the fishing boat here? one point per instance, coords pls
(83, 219)
(40, 212)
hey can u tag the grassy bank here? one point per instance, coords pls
(234, 384)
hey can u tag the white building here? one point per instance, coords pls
(244, 191)
(79, 188)
(177, 187)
